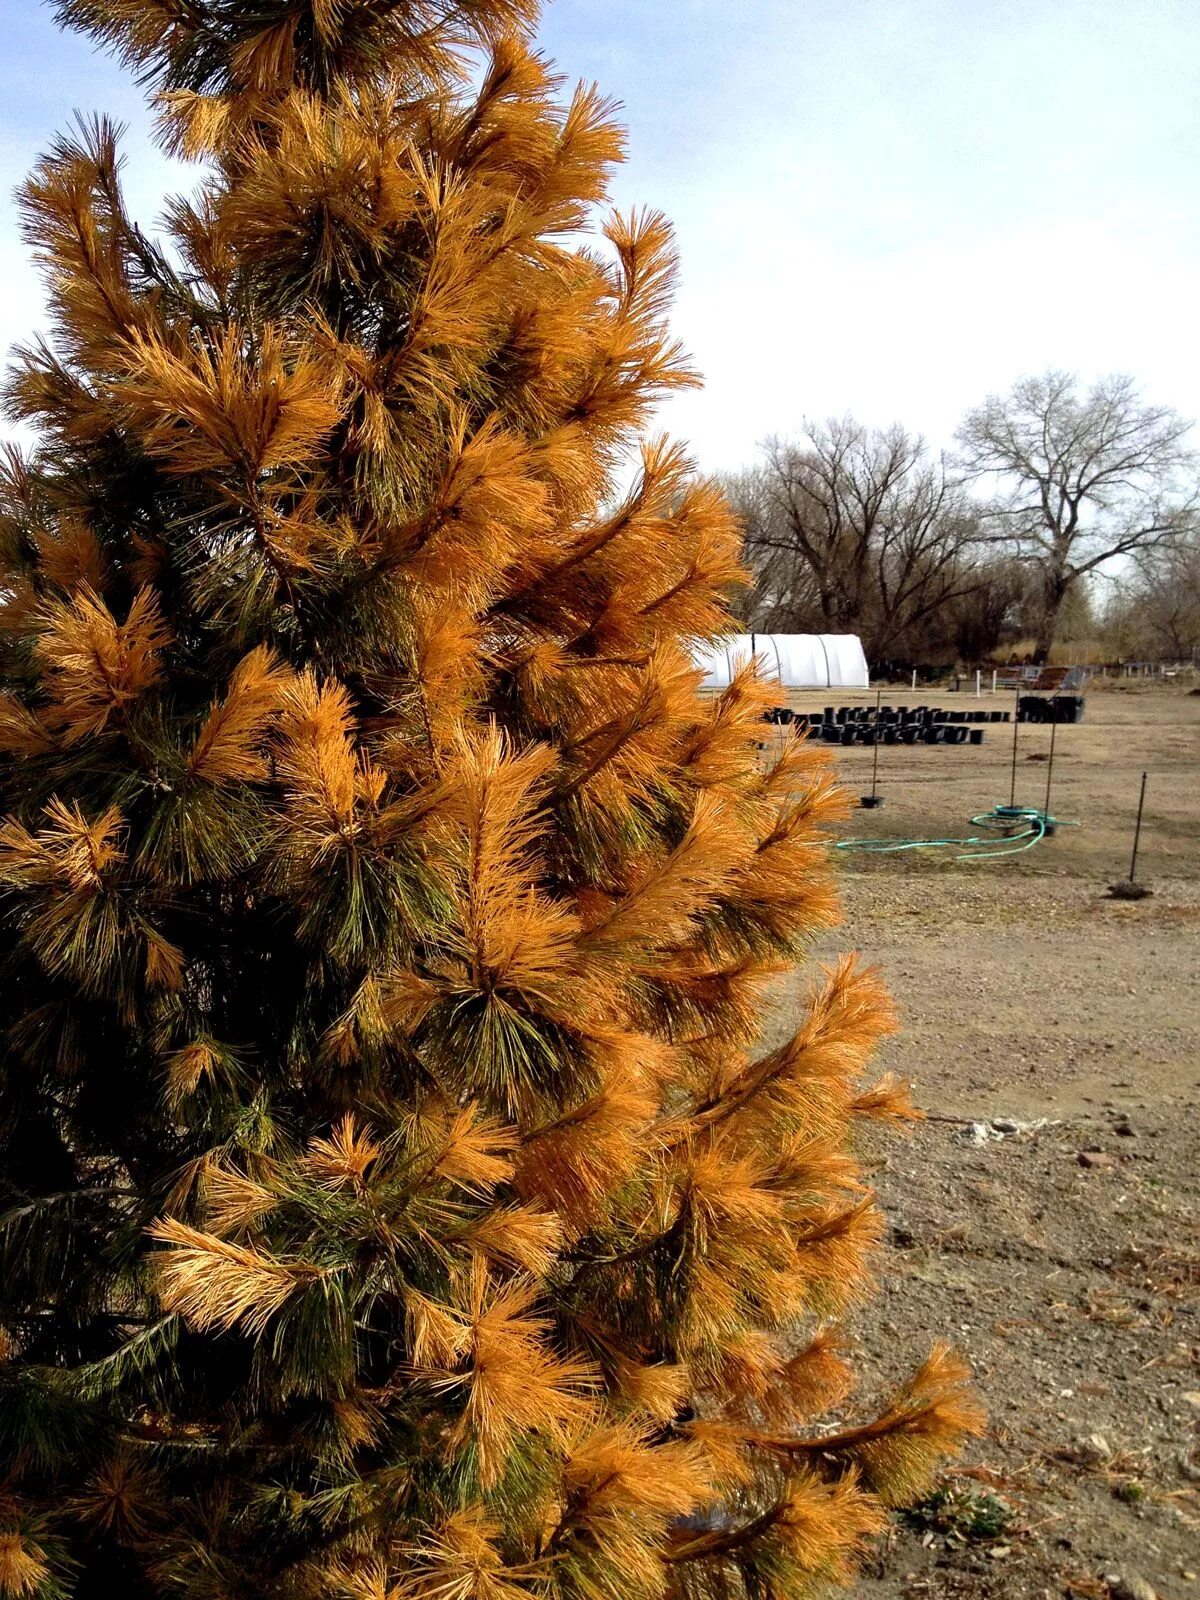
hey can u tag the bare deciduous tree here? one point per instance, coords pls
(1081, 479)
(1155, 610)
(853, 529)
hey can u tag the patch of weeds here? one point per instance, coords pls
(1130, 1492)
(958, 1514)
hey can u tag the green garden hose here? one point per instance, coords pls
(999, 840)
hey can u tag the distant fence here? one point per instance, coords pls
(1036, 679)
(1033, 677)
(1150, 669)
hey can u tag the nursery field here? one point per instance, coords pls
(1045, 1217)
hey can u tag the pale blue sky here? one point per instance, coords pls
(886, 206)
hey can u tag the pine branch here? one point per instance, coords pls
(32, 1206)
(726, 1541)
(138, 1358)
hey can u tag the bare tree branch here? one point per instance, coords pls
(850, 529)
(1079, 481)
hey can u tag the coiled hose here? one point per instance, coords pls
(1033, 824)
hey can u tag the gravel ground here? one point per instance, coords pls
(1045, 1216)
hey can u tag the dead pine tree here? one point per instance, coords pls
(395, 1203)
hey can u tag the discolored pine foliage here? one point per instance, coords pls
(395, 1203)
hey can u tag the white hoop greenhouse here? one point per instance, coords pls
(793, 660)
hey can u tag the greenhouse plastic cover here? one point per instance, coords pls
(793, 660)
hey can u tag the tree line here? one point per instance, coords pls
(1063, 512)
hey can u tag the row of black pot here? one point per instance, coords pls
(899, 717)
(868, 734)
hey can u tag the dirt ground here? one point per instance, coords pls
(1062, 1255)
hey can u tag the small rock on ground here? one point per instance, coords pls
(1131, 1586)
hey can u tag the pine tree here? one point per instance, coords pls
(394, 1203)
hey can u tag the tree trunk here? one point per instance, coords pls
(1055, 590)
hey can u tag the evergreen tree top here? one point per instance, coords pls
(228, 48)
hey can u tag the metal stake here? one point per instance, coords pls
(1050, 767)
(871, 801)
(1012, 793)
(1137, 832)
